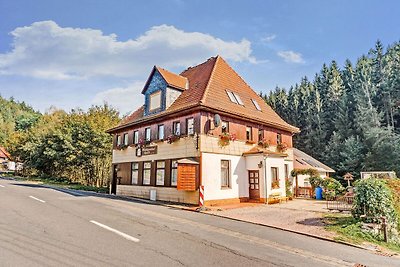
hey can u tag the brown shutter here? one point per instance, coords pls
(167, 178)
(153, 173)
(187, 177)
(140, 177)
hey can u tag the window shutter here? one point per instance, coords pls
(187, 177)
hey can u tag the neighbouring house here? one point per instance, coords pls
(5, 161)
(202, 128)
(303, 161)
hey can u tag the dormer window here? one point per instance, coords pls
(256, 105)
(155, 100)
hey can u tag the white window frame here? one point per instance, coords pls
(153, 98)
(231, 97)
(146, 172)
(135, 172)
(227, 183)
(174, 172)
(161, 132)
(238, 99)
(136, 137)
(160, 173)
(190, 129)
(126, 139)
(176, 129)
(256, 104)
(147, 134)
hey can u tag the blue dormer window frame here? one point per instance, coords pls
(156, 83)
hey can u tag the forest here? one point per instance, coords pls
(349, 116)
(65, 146)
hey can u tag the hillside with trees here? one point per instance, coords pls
(349, 117)
(67, 146)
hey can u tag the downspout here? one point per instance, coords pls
(265, 180)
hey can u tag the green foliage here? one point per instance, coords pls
(332, 187)
(316, 181)
(374, 199)
(311, 172)
(288, 187)
(349, 118)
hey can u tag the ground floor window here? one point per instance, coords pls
(225, 173)
(160, 173)
(146, 173)
(275, 177)
(174, 173)
(135, 173)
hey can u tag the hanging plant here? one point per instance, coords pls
(264, 143)
(225, 139)
(141, 143)
(122, 147)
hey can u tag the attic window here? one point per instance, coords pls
(256, 105)
(235, 98)
(155, 100)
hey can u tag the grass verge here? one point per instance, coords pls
(62, 183)
(349, 230)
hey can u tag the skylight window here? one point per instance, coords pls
(232, 97)
(256, 105)
(239, 101)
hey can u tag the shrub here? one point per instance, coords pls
(374, 199)
(332, 187)
(316, 181)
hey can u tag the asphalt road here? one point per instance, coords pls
(40, 226)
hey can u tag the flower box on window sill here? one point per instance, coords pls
(122, 147)
(264, 143)
(225, 139)
(282, 147)
(250, 142)
(275, 185)
(173, 138)
(158, 141)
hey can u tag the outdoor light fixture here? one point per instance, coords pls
(260, 164)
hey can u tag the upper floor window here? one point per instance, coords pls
(249, 133)
(135, 172)
(177, 128)
(136, 137)
(155, 100)
(119, 140)
(147, 134)
(190, 126)
(256, 104)
(126, 139)
(161, 132)
(235, 98)
(225, 126)
(260, 135)
(279, 138)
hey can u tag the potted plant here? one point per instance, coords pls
(281, 147)
(122, 147)
(264, 143)
(288, 186)
(172, 138)
(225, 139)
(140, 143)
(275, 184)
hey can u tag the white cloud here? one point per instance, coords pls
(125, 99)
(268, 38)
(291, 56)
(46, 50)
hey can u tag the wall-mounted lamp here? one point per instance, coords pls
(260, 164)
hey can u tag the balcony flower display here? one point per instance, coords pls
(225, 139)
(282, 147)
(172, 138)
(264, 143)
(122, 147)
(141, 143)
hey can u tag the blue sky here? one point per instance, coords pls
(77, 53)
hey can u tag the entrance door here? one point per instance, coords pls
(254, 185)
(114, 180)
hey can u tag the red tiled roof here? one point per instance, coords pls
(172, 79)
(208, 83)
(4, 153)
(305, 161)
(257, 150)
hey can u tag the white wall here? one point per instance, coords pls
(171, 96)
(280, 164)
(211, 177)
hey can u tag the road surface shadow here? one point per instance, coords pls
(312, 222)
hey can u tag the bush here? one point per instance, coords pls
(374, 199)
(332, 187)
(316, 181)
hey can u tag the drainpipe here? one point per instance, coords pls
(265, 180)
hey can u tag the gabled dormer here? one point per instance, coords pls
(162, 89)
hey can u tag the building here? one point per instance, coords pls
(303, 161)
(5, 161)
(203, 127)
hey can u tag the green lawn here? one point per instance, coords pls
(349, 230)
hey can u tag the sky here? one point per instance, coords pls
(74, 54)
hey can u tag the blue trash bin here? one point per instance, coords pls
(318, 193)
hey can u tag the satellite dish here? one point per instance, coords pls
(217, 120)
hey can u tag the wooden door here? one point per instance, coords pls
(254, 185)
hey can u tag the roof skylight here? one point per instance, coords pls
(256, 104)
(238, 99)
(232, 97)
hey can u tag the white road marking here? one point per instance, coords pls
(128, 237)
(2, 185)
(37, 199)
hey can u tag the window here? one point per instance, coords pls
(286, 171)
(119, 140)
(135, 173)
(275, 177)
(146, 173)
(177, 128)
(136, 137)
(225, 173)
(174, 173)
(155, 100)
(126, 139)
(225, 126)
(190, 126)
(260, 135)
(148, 134)
(160, 172)
(161, 132)
(232, 97)
(279, 138)
(238, 99)
(249, 133)
(256, 104)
